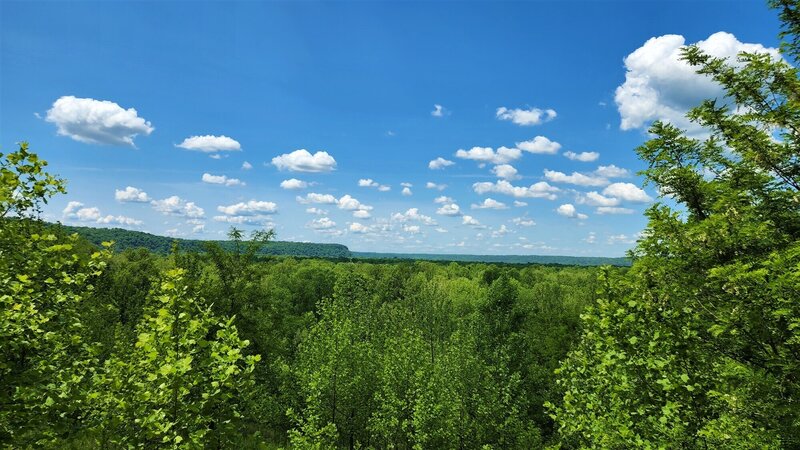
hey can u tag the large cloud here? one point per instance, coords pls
(660, 86)
(537, 190)
(628, 192)
(131, 194)
(97, 121)
(303, 161)
(540, 145)
(177, 206)
(249, 208)
(210, 144)
(485, 155)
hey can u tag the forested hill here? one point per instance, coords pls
(125, 239)
(506, 259)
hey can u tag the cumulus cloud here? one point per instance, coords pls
(520, 204)
(540, 145)
(568, 210)
(505, 171)
(349, 203)
(221, 179)
(660, 86)
(131, 194)
(413, 229)
(432, 185)
(449, 209)
(210, 144)
(361, 214)
(176, 206)
(356, 227)
(413, 215)
(490, 203)
(523, 221)
(575, 178)
(293, 183)
(317, 211)
(97, 121)
(246, 166)
(628, 192)
(76, 211)
(303, 161)
(594, 198)
(407, 191)
(612, 171)
(582, 156)
(369, 182)
(443, 199)
(323, 223)
(438, 111)
(259, 221)
(249, 208)
(538, 190)
(526, 117)
(471, 221)
(440, 163)
(313, 197)
(484, 155)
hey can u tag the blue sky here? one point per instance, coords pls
(153, 96)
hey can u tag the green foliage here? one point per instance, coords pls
(181, 382)
(697, 345)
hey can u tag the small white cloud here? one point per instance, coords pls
(612, 171)
(568, 210)
(356, 227)
(441, 230)
(408, 185)
(413, 215)
(449, 209)
(384, 188)
(323, 223)
(621, 239)
(582, 156)
(490, 203)
(432, 185)
(440, 163)
(97, 121)
(523, 221)
(539, 145)
(406, 191)
(131, 194)
(443, 199)
(628, 192)
(613, 210)
(361, 214)
(317, 211)
(210, 144)
(575, 178)
(438, 111)
(370, 183)
(313, 197)
(526, 117)
(303, 161)
(520, 204)
(349, 203)
(591, 238)
(259, 221)
(469, 220)
(177, 206)
(487, 155)
(221, 179)
(198, 229)
(293, 183)
(413, 229)
(76, 211)
(505, 171)
(594, 198)
(249, 208)
(538, 190)
(246, 166)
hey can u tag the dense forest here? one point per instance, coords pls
(696, 345)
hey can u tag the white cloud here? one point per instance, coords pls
(613, 210)
(246, 220)
(313, 197)
(523, 221)
(621, 239)
(406, 191)
(660, 86)
(432, 185)
(568, 210)
(221, 179)
(349, 203)
(438, 111)
(628, 192)
(443, 199)
(575, 178)
(361, 214)
(441, 230)
(591, 238)
(97, 121)
(210, 144)
(356, 227)
(471, 221)
(384, 188)
(199, 228)
(176, 206)
(323, 223)
(246, 166)
(408, 185)
(317, 211)
(505, 171)
(490, 203)
(131, 194)
(76, 211)
(369, 182)
(293, 183)
(520, 204)
(413, 214)
(118, 220)
(71, 208)
(303, 161)
(413, 229)
(449, 209)
(486, 155)
(612, 171)
(582, 156)
(532, 116)
(249, 208)
(540, 145)
(502, 231)
(594, 198)
(440, 163)
(538, 190)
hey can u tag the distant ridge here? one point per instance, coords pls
(126, 239)
(506, 259)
